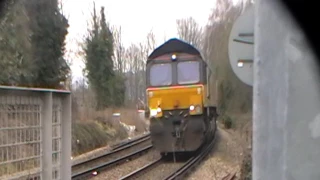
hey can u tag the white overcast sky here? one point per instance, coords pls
(136, 18)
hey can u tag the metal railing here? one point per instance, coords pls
(35, 133)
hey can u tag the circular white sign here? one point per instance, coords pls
(241, 46)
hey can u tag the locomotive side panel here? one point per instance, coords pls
(212, 97)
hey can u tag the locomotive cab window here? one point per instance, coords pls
(188, 72)
(161, 74)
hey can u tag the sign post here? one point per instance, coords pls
(241, 46)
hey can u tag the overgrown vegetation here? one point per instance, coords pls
(226, 120)
(93, 129)
(246, 167)
(90, 135)
(234, 95)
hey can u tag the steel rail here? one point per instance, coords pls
(230, 176)
(193, 161)
(120, 148)
(89, 171)
(142, 169)
(122, 144)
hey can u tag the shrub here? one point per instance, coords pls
(227, 121)
(87, 136)
(246, 167)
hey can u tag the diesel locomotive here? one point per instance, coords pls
(181, 98)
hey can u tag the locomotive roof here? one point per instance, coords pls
(174, 45)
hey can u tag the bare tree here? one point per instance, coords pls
(215, 50)
(151, 42)
(119, 50)
(151, 45)
(135, 64)
(190, 31)
(131, 68)
(164, 38)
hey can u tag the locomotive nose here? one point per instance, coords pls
(176, 121)
(176, 104)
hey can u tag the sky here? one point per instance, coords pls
(136, 19)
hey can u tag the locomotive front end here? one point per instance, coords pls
(176, 118)
(177, 97)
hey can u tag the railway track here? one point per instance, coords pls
(229, 176)
(131, 142)
(82, 169)
(192, 162)
(180, 169)
(135, 174)
(126, 151)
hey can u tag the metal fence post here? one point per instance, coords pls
(66, 137)
(46, 149)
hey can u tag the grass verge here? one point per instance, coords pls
(93, 130)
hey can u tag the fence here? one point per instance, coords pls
(35, 133)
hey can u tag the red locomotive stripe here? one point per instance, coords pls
(175, 87)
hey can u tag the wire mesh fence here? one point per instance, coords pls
(22, 133)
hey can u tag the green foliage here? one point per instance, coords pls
(15, 47)
(108, 86)
(227, 121)
(118, 90)
(32, 36)
(49, 28)
(225, 95)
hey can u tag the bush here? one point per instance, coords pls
(87, 136)
(246, 167)
(226, 121)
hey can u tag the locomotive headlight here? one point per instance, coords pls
(174, 57)
(195, 109)
(153, 112)
(156, 112)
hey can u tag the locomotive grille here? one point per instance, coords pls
(176, 114)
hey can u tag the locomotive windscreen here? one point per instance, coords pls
(188, 72)
(161, 74)
(174, 46)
